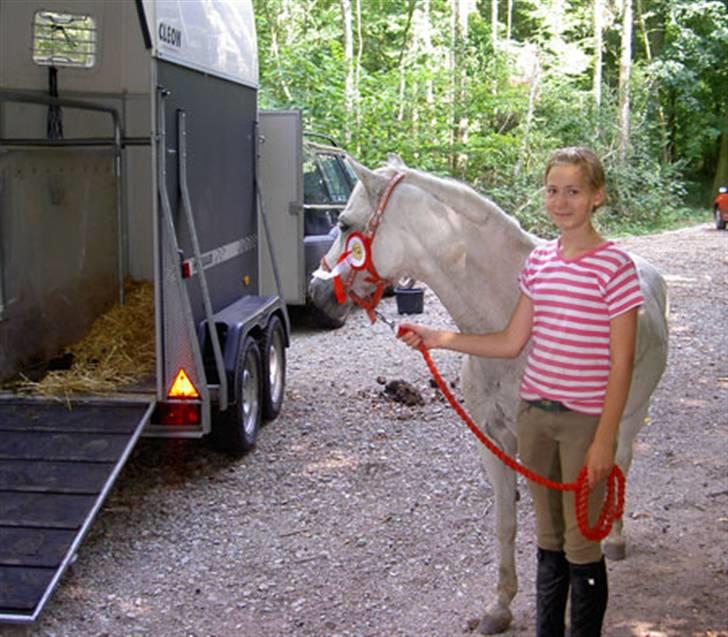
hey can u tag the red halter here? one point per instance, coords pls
(358, 254)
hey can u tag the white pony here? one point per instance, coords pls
(469, 252)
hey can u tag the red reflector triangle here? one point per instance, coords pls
(182, 387)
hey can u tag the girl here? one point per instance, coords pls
(578, 307)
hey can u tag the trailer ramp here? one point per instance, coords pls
(58, 462)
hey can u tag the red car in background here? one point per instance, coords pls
(720, 208)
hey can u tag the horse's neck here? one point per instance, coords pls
(479, 287)
(475, 262)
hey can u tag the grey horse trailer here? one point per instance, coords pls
(128, 151)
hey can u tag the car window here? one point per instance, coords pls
(350, 172)
(338, 185)
(314, 190)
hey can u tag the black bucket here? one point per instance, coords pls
(409, 300)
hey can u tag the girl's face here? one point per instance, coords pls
(569, 198)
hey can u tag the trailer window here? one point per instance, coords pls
(64, 39)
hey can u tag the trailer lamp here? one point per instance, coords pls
(181, 412)
(182, 387)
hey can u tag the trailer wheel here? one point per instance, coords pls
(274, 368)
(237, 428)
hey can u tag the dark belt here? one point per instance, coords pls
(548, 405)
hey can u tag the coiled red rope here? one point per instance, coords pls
(613, 507)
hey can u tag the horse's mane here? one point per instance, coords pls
(463, 199)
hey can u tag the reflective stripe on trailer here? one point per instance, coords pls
(219, 255)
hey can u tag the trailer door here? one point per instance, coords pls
(281, 183)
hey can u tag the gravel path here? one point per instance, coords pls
(359, 516)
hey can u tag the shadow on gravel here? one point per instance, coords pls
(177, 463)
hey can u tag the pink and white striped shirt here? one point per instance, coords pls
(573, 302)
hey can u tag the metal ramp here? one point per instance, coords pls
(58, 462)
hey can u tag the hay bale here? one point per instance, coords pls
(118, 350)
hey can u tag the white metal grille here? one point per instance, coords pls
(64, 39)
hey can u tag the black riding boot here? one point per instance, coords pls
(552, 590)
(589, 594)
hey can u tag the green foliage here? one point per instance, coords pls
(691, 77)
(472, 119)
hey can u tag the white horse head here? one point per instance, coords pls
(429, 230)
(386, 248)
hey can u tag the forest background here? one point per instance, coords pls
(484, 90)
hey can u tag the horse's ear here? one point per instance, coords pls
(373, 183)
(395, 161)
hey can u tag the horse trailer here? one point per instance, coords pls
(128, 153)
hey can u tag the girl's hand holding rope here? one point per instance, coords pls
(418, 336)
(599, 462)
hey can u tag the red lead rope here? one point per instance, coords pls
(614, 500)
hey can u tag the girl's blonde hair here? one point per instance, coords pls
(586, 159)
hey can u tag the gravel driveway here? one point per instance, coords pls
(358, 515)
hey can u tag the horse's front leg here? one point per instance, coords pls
(497, 617)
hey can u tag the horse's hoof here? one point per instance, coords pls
(614, 550)
(495, 621)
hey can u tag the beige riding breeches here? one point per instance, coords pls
(554, 444)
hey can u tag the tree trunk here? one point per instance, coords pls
(357, 75)
(658, 97)
(461, 10)
(466, 8)
(452, 74)
(422, 46)
(643, 27)
(535, 81)
(721, 172)
(285, 18)
(274, 19)
(494, 23)
(423, 37)
(349, 57)
(625, 72)
(404, 48)
(509, 21)
(598, 49)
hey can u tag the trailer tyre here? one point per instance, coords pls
(274, 368)
(237, 428)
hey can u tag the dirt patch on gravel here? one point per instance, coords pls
(359, 515)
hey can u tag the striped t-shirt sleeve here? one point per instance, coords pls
(525, 278)
(622, 291)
